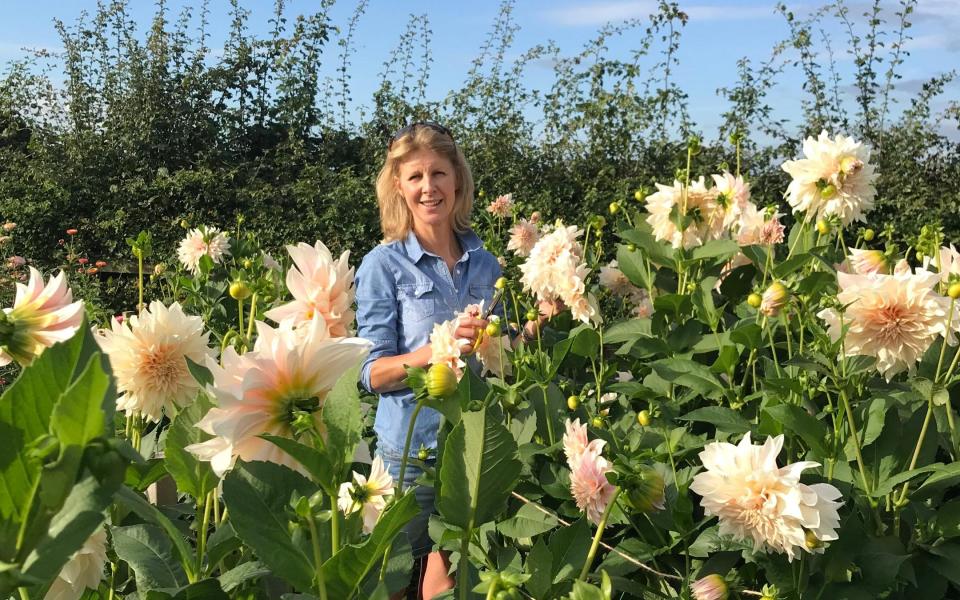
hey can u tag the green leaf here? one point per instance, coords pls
(724, 418)
(78, 416)
(634, 267)
(527, 523)
(80, 516)
(796, 420)
(890, 483)
(208, 589)
(675, 305)
(480, 468)
(628, 331)
(688, 373)
(539, 566)
(241, 574)
(316, 462)
(25, 409)
(717, 251)
(149, 552)
(193, 476)
(748, 334)
(586, 341)
(658, 253)
(258, 496)
(345, 571)
(138, 504)
(943, 478)
(201, 373)
(569, 546)
(341, 415)
(945, 559)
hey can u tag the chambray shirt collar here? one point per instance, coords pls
(469, 241)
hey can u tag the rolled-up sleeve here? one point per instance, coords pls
(376, 310)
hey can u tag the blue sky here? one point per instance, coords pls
(717, 35)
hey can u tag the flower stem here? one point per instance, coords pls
(202, 534)
(240, 327)
(916, 449)
(596, 538)
(856, 440)
(140, 280)
(317, 558)
(252, 317)
(406, 443)
(334, 526)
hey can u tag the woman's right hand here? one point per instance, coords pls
(469, 329)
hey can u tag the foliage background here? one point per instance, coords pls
(143, 133)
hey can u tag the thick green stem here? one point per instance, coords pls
(596, 538)
(252, 317)
(317, 558)
(856, 440)
(240, 327)
(334, 526)
(202, 533)
(406, 442)
(140, 280)
(917, 448)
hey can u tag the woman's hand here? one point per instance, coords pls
(549, 309)
(469, 329)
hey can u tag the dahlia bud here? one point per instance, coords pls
(614, 208)
(535, 216)
(643, 418)
(481, 194)
(638, 195)
(868, 235)
(184, 224)
(631, 247)
(754, 300)
(597, 422)
(500, 283)
(823, 228)
(441, 381)
(867, 262)
(492, 329)
(711, 587)
(9, 226)
(850, 165)
(645, 490)
(573, 402)
(239, 290)
(774, 299)
(532, 315)
(954, 291)
(159, 268)
(247, 263)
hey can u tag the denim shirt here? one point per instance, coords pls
(402, 291)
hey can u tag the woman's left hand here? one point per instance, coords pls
(468, 330)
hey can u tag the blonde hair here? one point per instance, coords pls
(395, 218)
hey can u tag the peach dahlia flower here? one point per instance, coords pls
(42, 315)
(148, 355)
(555, 270)
(289, 373)
(755, 499)
(319, 285)
(703, 204)
(523, 236)
(894, 318)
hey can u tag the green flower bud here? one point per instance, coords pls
(441, 381)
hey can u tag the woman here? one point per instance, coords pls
(429, 268)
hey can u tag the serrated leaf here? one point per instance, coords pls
(149, 552)
(242, 573)
(723, 418)
(193, 476)
(258, 495)
(342, 417)
(795, 419)
(527, 523)
(345, 571)
(569, 546)
(688, 373)
(480, 468)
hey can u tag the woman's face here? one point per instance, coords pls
(427, 182)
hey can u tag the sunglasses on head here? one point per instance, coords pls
(412, 126)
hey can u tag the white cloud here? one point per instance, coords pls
(597, 13)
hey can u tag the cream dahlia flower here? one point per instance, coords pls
(523, 236)
(287, 375)
(868, 262)
(205, 241)
(445, 347)
(643, 306)
(894, 318)
(774, 299)
(367, 495)
(756, 500)
(148, 355)
(613, 279)
(948, 265)
(42, 315)
(833, 180)
(502, 206)
(555, 270)
(733, 195)
(758, 227)
(711, 587)
(83, 570)
(318, 285)
(492, 352)
(702, 204)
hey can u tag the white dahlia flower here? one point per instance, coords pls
(367, 495)
(205, 241)
(42, 315)
(84, 569)
(834, 179)
(702, 205)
